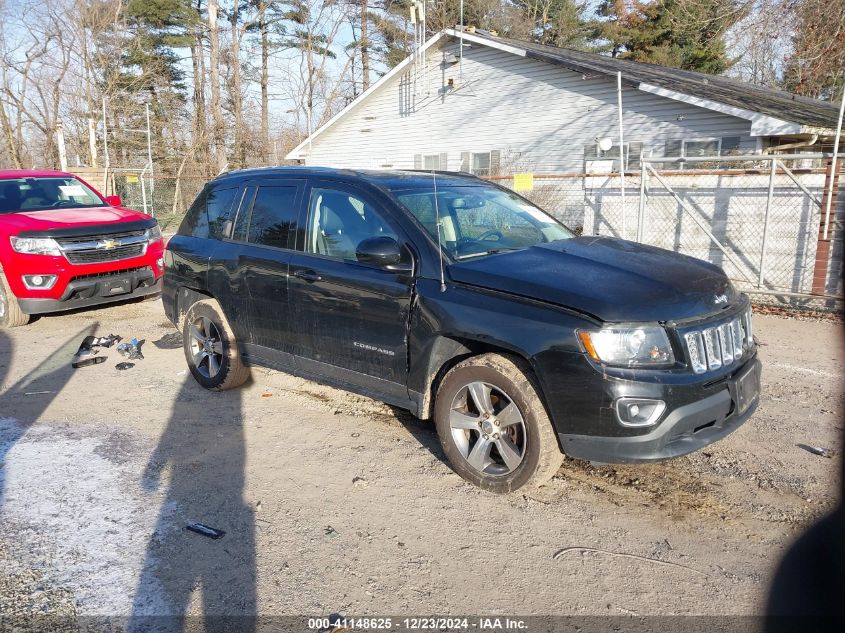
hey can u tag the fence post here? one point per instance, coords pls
(762, 273)
(641, 211)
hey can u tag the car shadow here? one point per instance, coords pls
(423, 431)
(25, 401)
(199, 464)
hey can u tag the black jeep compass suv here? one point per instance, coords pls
(461, 301)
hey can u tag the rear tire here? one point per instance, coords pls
(211, 349)
(11, 314)
(493, 426)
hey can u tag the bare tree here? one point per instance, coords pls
(214, 76)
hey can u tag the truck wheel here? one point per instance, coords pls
(211, 349)
(493, 426)
(11, 314)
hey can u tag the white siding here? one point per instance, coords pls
(538, 115)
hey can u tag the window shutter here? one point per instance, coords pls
(635, 150)
(730, 145)
(465, 161)
(495, 160)
(418, 161)
(444, 164)
(673, 148)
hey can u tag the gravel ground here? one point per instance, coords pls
(332, 502)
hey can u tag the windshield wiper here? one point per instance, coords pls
(491, 251)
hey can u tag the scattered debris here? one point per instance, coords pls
(105, 341)
(132, 349)
(266, 395)
(35, 393)
(329, 532)
(89, 360)
(657, 561)
(124, 365)
(204, 530)
(817, 450)
(360, 482)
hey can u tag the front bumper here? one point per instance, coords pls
(683, 430)
(91, 290)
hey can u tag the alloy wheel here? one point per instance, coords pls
(206, 347)
(488, 429)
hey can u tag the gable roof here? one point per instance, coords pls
(771, 112)
(725, 90)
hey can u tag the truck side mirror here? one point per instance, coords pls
(383, 252)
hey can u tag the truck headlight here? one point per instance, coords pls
(35, 245)
(153, 234)
(646, 346)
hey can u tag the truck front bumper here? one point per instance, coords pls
(684, 429)
(91, 290)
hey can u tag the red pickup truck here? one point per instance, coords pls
(64, 246)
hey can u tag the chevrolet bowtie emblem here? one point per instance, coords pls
(107, 245)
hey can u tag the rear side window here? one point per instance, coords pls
(274, 216)
(221, 209)
(209, 213)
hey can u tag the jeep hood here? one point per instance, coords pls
(612, 279)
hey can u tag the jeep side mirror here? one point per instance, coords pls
(382, 252)
(114, 201)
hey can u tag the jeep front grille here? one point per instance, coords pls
(719, 345)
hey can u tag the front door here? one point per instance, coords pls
(348, 320)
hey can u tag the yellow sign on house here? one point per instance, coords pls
(523, 182)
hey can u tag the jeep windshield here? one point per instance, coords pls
(49, 192)
(480, 220)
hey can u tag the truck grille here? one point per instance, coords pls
(111, 247)
(719, 345)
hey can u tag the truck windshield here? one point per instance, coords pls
(479, 220)
(49, 192)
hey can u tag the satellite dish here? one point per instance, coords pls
(605, 143)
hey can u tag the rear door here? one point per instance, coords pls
(257, 258)
(348, 320)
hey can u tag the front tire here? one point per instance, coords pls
(11, 314)
(493, 426)
(211, 349)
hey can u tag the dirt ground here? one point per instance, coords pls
(332, 502)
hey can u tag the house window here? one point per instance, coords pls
(692, 147)
(431, 161)
(482, 164)
(633, 151)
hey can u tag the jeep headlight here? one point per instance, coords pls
(153, 234)
(646, 346)
(35, 245)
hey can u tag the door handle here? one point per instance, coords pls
(307, 275)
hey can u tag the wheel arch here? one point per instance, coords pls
(448, 351)
(185, 298)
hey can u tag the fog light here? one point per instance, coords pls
(39, 282)
(639, 411)
(160, 263)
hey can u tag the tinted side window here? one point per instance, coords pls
(195, 218)
(209, 213)
(274, 215)
(221, 209)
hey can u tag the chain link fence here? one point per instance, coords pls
(761, 218)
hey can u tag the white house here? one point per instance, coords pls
(505, 105)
